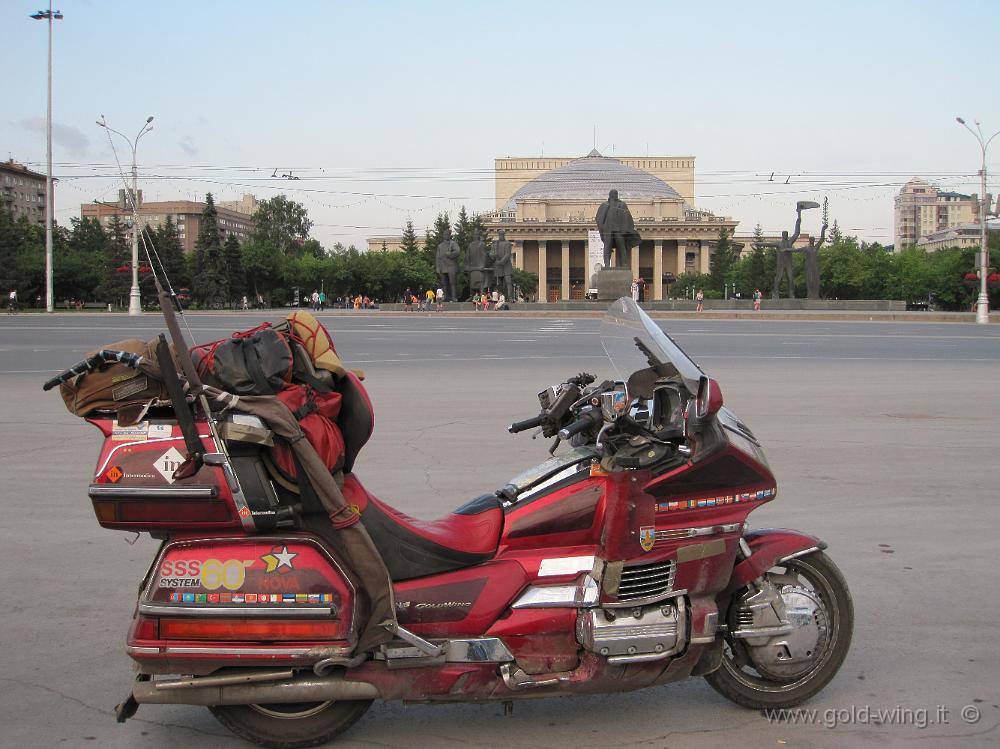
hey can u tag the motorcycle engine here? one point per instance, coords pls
(634, 634)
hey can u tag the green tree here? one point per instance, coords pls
(721, 260)
(116, 273)
(78, 270)
(409, 243)
(835, 234)
(210, 282)
(755, 268)
(235, 275)
(167, 240)
(525, 281)
(281, 225)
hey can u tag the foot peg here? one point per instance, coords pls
(517, 680)
(428, 648)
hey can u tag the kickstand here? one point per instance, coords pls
(508, 707)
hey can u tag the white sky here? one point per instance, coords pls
(388, 111)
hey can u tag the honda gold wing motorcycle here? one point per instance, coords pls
(623, 561)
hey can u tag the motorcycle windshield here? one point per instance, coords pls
(633, 342)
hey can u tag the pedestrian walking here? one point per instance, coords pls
(246, 302)
(12, 302)
(429, 297)
(757, 296)
(439, 295)
(700, 299)
(322, 300)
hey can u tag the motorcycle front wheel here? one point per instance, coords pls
(815, 580)
(290, 725)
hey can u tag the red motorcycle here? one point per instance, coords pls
(623, 561)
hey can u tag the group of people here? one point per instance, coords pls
(428, 301)
(483, 301)
(317, 302)
(434, 299)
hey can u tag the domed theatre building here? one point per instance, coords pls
(546, 207)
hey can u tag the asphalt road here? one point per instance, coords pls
(884, 438)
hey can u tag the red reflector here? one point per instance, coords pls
(145, 629)
(105, 511)
(248, 629)
(134, 511)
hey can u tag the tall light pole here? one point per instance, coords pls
(49, 16)
(983, 303)
(134, 301)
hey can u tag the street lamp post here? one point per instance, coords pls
(983, 303)
(49, 16)
(134, 300)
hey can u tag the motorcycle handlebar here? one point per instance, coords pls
(520, 426)
(102, 357)
(587, 419)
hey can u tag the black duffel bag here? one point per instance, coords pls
(254, 362)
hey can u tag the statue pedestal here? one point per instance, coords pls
(612, 283)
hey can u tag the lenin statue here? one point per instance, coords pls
(446, 265)
(617, 228)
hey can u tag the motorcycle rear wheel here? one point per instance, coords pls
(739, 681)
(290, 725)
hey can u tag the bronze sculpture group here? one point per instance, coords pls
(486, 266)
(786, 246)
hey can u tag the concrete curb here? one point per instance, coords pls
(796, 315)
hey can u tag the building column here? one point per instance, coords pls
(518, 254)
(680, 260)
(703, 252)
(543, 273)
(565, 269)
(658, 269)
(635, 262)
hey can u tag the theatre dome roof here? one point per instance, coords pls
(591, 178)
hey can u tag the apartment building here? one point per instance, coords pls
(22, 191)
(186, 214)
(922, 209)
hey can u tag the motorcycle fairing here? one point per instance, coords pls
(459, 603)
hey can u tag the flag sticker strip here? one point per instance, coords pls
(176, 596)
(726, 499)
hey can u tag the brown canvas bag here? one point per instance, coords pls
(116, 387)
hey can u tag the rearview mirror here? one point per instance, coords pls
(709, 399)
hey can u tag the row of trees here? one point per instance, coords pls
(93, 262)
(849, 269)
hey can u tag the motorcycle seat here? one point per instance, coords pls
(417, 548)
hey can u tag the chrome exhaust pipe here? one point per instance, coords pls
(303, 689)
